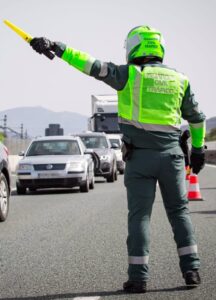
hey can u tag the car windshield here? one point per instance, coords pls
(115, 141)
(107, 123)
(60, 147)
(95, 142)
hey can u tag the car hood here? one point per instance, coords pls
(103, 151)
(51, 159)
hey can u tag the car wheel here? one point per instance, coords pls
(92, 183)
(116, 174)
(121, 171)
(21, 190)
(111, 176)
(84, 187)
(4, 198)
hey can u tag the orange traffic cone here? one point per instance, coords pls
(194, 190)
(187, 171)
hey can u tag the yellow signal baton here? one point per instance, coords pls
(27, 37)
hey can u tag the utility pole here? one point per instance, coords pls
(21, 131)
(5, 125)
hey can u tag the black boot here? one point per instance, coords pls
(132, 286)
(192, 278)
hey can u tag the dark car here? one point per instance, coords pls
(102, 146)
(4, 183)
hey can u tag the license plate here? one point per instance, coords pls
(48, 175)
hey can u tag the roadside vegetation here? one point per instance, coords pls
(1, 137)
(211, 136)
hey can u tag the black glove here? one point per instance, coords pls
(184, 145)
(197, 159)
(42, 45)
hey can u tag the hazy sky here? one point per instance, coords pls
(99, 27)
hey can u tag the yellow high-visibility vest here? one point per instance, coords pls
(152, 96)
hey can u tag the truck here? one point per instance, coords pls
(104, 116)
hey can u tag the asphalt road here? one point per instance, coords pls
(71, 245)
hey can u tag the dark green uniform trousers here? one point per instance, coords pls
(143, 170)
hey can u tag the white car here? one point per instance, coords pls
(116, 142)
(4, 183)
(55, 161)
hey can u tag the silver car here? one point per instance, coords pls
(55, 161)
(4, 183)
(99, 143)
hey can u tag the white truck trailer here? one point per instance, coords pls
(104, 116)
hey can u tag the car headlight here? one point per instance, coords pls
(104, 157)
(76, 166)
(24, 167)
(119, 155)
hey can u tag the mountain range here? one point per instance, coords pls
(36, 119)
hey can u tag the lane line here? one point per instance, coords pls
(86, 298)
(211, 166)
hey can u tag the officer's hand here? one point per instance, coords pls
(42, 44)
(197, 159)
(185, 135)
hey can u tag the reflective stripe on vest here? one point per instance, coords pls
(152, 96)
(149, 127)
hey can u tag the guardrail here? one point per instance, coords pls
(211, 157)
(211, 152)
(211, 145)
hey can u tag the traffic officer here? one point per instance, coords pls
(152, 99)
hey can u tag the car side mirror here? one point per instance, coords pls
(88, 151)
(21, 153)
(114, 146)
(95, 158)
(102, 118)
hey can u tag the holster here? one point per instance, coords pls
(127, 150)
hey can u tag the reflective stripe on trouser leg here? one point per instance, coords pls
(138, 260)
(187, 250)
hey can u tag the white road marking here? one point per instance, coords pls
(211, 166)
(86, 298)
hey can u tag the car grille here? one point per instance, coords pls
(54, 182)
(105, 167)
(45, 167)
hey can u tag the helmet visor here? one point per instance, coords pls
(132, 42)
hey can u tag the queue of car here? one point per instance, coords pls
(61, 162)
(68, 161)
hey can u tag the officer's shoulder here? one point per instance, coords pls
(124, 67)
(177, 71)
